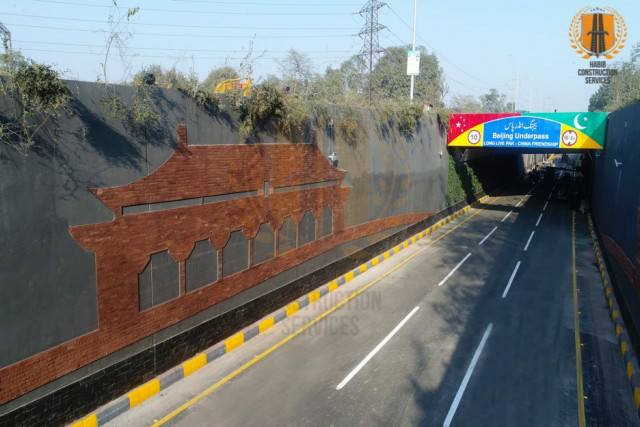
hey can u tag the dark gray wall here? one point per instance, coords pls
(48, 294)
(615, 202)
(389, 173)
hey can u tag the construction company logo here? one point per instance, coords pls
(600, 33)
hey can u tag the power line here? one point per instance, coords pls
(208, 27)
(214, 36)
(249, 3)
(199, 12)
(155, 56)
(168, 49)
(439, 53)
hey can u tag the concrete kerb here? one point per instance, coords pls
(626, 350)
(149, 389)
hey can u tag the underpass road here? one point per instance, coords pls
(472, 326)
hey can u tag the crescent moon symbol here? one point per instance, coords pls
(576, 124)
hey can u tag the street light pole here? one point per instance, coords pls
(413, 47)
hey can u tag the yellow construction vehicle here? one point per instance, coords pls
(229, 85)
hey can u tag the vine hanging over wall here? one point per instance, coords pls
(35, 96)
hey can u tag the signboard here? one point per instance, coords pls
(565, 131)
(413, 63)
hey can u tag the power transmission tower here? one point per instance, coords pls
(369, 34)
(5, 34)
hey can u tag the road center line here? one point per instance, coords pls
(467, 377)
(454, 270)
(513, 275)
(506, 216)
(376, 349)
(545, 206)
(529, 241)
(488, 235)
(539, 219)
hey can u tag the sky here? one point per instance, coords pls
(520, 47)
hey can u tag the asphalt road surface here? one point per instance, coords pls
(472, 326)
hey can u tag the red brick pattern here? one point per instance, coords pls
(123, 246)
(211, 170)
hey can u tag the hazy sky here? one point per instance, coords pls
(520, 45)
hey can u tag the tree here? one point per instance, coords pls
(600, 99)
(353, 71)
(296, 71)
(493, 101)
(465, 104)
(635, 53)
(624, 89)
(218, 75)
(390, 80)
(271, 80)
(330, 87)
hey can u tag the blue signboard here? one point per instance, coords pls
(522, 132)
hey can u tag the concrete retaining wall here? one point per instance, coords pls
(49, 300)
(616, 210)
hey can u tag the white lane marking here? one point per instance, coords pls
(454, 270)
(467, 377)
(507, 216)
(529, 241)
(539, 219)
(488, 235)
(376, 349)
(513, 275)
(545, 206)
(519, 203)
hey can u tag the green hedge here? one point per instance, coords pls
(462, 182)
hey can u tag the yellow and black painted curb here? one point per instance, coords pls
(624, 343)
(139, 394)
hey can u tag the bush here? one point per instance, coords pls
(264, 103)
(349, 127)
(408, 118)
(462, 182)
(206, 100)
(296, 117)
(38, 96)
(41, 88)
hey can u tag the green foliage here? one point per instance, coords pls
(349, 126)
(462, 182)
(600, 99)
(40, 87)
(142, 111)
(168, 79)
(205, 99)
(443, 115)
(264, 103)
(408, 118)
(114, 106)
(38, 97)
(493, 102)
(623, 90)
(401, 113)
(390, 81)
(296, 116)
